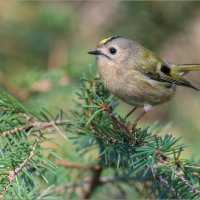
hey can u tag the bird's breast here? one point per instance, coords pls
(111, 75)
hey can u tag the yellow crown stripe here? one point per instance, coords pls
(105, 40)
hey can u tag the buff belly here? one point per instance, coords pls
(138, 90)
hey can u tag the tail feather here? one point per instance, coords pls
(185, 68)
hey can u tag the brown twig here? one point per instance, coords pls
(33, 123)
(167, 184)
(178, 174)
(12, 131)
(116, 121)
(51, 124)
(102, 181)
(184, 181)
(94, 182)
(69, 164)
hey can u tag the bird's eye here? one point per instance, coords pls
(112, 50)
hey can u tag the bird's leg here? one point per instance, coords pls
(130, 112)
(139, 117)
(147, 107)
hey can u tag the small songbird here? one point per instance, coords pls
(137, 75)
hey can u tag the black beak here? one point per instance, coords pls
(95, 52)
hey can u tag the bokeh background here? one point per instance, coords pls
(43, 52)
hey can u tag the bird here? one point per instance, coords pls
(137, 75)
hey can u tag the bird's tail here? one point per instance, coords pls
(180, 70)
(185, 68)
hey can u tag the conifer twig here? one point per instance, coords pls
(170, 187)
(35, 123)
(12, 131)
(94, 182)
(179, 175)
(117, 122)
(13, 174)
(69, 164)
(184, 181)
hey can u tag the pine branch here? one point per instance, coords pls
(94, 182)
(134, 149)
(69, 164)
(147, 163)
(22, 154)
(170, 187)
(185, 181)
(15, 172)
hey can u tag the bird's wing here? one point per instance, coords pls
(165, 73)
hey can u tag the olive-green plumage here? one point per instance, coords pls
(137, 75)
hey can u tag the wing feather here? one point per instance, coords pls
(170, 76)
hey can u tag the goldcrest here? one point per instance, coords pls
(137, 75)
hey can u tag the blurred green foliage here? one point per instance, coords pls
(152, 22)
(31, 33)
